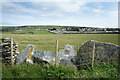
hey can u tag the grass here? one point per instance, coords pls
(38, 71)
(28, 32)
(46, 42)
(100, 70)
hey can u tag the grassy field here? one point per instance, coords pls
(27, 32)
(46, 41)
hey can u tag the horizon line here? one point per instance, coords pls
(60, 25)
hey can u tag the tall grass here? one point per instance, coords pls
(100, 70)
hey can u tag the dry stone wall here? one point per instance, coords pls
(103, 52)
(5, 50)
(65, 57)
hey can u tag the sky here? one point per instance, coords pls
(94, 14)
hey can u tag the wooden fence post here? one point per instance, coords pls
(93, 54)
(12, 51)
(77, 51)
(56, 54)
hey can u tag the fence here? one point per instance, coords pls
(58, 57)
(88, 53)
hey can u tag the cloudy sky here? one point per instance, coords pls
(97, 14)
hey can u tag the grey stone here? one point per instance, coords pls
(65, 57)
(45, 56)
(103, 52)
(24, 54)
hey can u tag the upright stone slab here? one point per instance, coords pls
(25, 53)
(103, 52)
(67, 56)
(70, 50)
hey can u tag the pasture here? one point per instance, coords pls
(46, 42)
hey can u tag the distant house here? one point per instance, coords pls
(37, 29)
(18, 30)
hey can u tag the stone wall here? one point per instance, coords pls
(103, 52)
(5, 50)
(65, 57)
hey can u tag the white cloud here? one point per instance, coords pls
(45, 8)
(99, 11)
(55, 13)
(19, 19)
(59, 8)
(17, 8)
(36, 1)
(59, 0)
(100, 6)
(71, 6)
(51, 14)
(113, 13)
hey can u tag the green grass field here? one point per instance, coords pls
(45, 41)
(27, 32)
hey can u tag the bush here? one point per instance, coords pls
(30, 32)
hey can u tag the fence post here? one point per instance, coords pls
(12, 51)
(93, 54)
(56, 53)
(77, 51)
